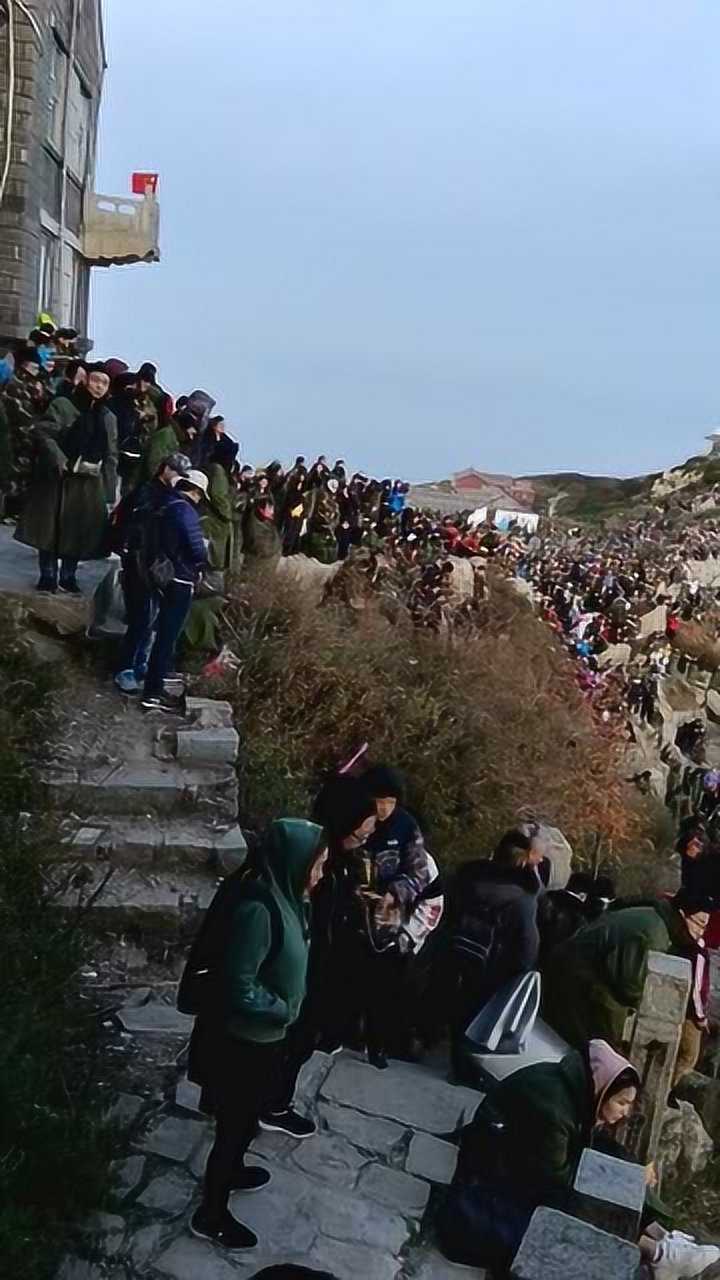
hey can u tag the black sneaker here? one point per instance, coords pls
(330, 1047)
(251, 1178)
(288, 1122)
(70, 587)
(228, 1232)
(47, 586)
(378, 1060)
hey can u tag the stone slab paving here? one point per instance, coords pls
(428, 1264)
(406, 1094)
(351, 1200)
(430, 1158)
(127, 1175)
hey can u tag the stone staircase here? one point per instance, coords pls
(353, 1200)
(149, 814)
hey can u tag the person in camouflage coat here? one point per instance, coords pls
(24, 400)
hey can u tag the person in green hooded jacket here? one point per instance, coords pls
(236, 1049)
(596, 978)
(523, 1147)
(201, 629)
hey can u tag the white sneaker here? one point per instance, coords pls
(682, 1258)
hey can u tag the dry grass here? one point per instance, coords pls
(486, 724)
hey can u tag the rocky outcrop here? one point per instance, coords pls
(704, 1094)
(686, 1147)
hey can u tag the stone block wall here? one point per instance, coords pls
(19, 212)
(26, 193)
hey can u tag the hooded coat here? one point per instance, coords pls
(323, 517)
(261, 538)
(258, 941)
(217, 522)
(522, 1150)
(66, 509)
(548, 1114)
(597, 977)
(265, 984)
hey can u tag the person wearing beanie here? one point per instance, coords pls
(522, 1150)
(71, 375)
(158, 402)
(115, 368)
(178, 431)
(401, 871)
(346, 812)
(596, 978)
(74, 483)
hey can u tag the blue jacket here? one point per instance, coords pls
(180, 538)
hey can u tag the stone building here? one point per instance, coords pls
(53, 226)
(471, 490)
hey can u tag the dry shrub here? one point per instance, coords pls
(54, 1148)
(485, 724)
(692, 639)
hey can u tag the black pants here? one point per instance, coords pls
(326, 1015)
(140, 609)
(386, 1001)
(244, 1077)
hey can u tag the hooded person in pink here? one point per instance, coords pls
(524, 1145)
(523, 1148)
(614, 1078)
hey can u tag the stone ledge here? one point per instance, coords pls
(558, 1246)
(207, 746)
(432, 1159)
(406, 1094)
(368, 1133)
(399, 1191)
(173, 1138)
(169, 1194)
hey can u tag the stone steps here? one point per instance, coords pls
(158, 844)
(149, 816)
(144, 787)
(136, 901)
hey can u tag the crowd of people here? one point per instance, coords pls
(346, 931)
(96, 459)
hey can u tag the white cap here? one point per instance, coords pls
(195, 480)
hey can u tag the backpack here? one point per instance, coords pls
(201, 991)
(144, 543)
(475, 937)
(481, 942)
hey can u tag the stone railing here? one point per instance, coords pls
(654, 1044)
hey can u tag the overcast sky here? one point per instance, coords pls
(426, 234)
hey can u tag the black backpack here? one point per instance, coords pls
(475, 936)
(144, 544)
(201, 991)
(481, 940)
